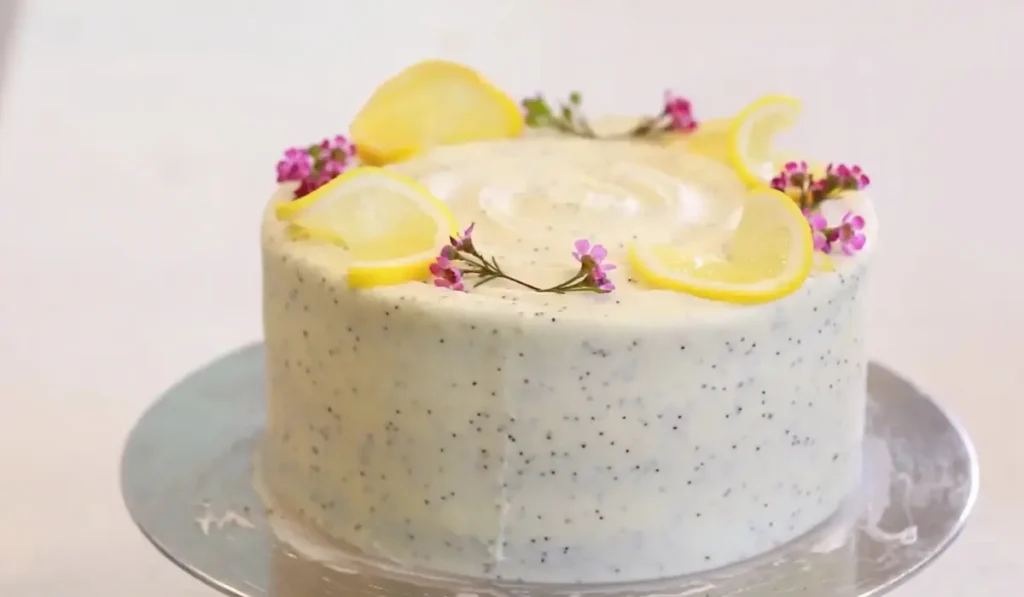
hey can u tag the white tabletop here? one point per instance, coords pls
(136, 150)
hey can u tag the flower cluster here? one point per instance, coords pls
(314, 166)
(461, 258)
(848, 234)
(797, 181)
(808, 191)
(676, 115)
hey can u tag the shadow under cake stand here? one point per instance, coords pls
(187, 477)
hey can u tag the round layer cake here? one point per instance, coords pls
(577, 437)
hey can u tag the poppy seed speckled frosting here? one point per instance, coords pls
(578, 437)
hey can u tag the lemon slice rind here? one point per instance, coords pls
(434, 102)
(648, 266)
(773, 114)
(306, 217)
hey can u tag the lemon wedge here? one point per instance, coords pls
(432, 103)
(768, 256)
(752, 133)
(391, 225)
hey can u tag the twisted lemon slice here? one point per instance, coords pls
(751, 151)
(432, 103)
(769, 256)
(392, 226)
(745, 142)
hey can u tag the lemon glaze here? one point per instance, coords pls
(569, 438)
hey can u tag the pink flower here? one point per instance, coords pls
(792, 174)
(819, 231)
(445, 274)
(792, 169)
(850, 178)
(315, 166)
(465, 241)
(339, 148)
(591, 260)
(295, 165)
(313, 182)
(332, 168)
(680, 111)
(849, 234)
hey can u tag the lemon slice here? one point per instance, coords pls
(391, 225)
(768, 256)
(712, 139)
(753, 130)
(432, 103)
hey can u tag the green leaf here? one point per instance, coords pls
(575, 98)
(537, 106)
(538, 112)
(534, 120)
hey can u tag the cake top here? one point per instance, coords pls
(448, 182)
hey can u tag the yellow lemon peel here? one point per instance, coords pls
(392, 226)
(431, 103)
(769, 256)
(752, 135)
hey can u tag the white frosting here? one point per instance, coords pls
(562, 438)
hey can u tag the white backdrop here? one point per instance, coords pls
(137, 143)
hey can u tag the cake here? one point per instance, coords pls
(520, 345)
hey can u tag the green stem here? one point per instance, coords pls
(587, 131)
(580, 128)
(564, 126)
(645, 127)
(483, 280)
(579, 277)
(650, 126)
(492, 271)
(571, 120)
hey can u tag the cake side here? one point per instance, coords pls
(491, 437)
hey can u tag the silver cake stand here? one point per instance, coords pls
(187, 477)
